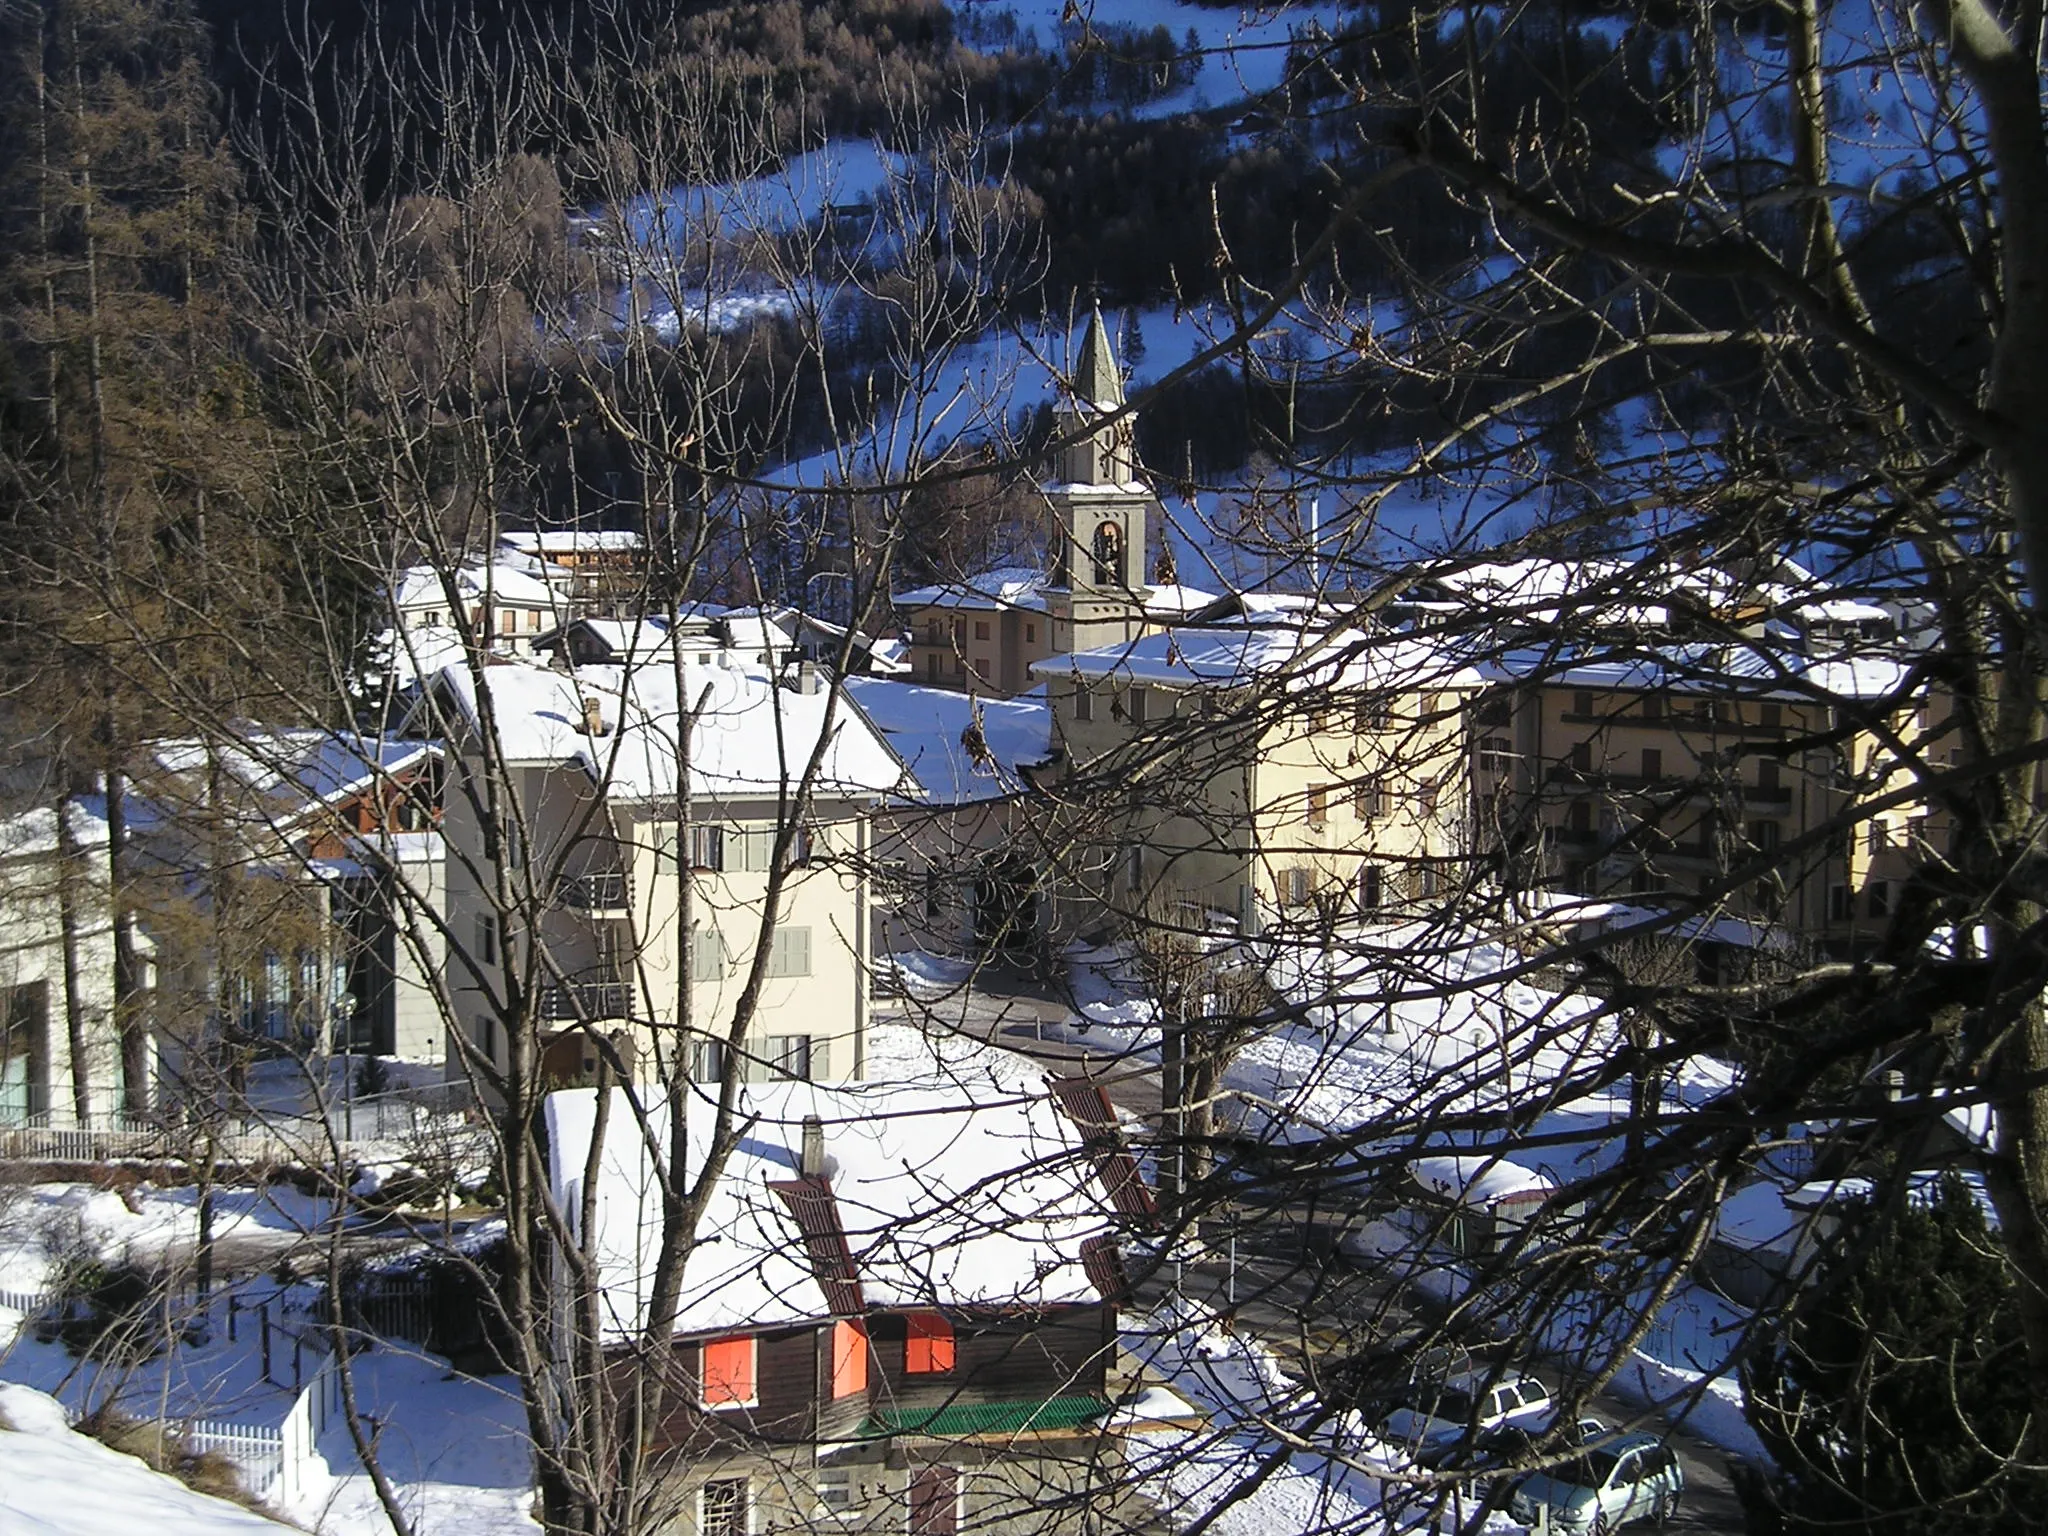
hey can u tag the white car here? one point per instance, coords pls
(1439, 1415)
(1634, 1478)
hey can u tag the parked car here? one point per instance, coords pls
(1633, 1478)
(1437, 1417)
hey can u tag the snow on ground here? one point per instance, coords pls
(455, 1445)
(55, 1482)
(905, 1054)
(46, 1219)
(1240, 1384)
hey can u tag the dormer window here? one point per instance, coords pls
(1109, 554)
(928, 1346)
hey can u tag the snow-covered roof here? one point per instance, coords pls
(1225, 658)
(942, 1201)
(563, 541)
(1009, 587)
(1171, 600)
(622, 637)
(33, 833)
(291, 772)
(423, 586)
(752, 736)
(1479, 1180)
(1753, 669)
(929, 730)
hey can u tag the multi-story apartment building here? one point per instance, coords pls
(1264, 767)
(1729, 778)
(614, 863)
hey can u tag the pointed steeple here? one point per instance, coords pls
(1098, 380)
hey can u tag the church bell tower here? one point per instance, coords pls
(1097, 593)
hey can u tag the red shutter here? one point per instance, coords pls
(849, 1359)
(729, 1377)
(928, 1349)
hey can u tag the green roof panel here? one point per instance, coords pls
(1030, 1415)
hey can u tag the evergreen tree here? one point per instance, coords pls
(1894, 1397)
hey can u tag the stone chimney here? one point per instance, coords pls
(811, 1164)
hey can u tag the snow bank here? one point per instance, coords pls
(55, 1482)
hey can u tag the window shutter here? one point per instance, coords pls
(849, 1359)
(790, 954)
(707, 955)
(928, 1348)
(729, 1378)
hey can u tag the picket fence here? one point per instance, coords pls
(276, 1462)
(280, 1464)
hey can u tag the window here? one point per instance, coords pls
(1109, 555)
(1371, 888)
(1878, 896)
(1763, 835)
(1582, 757)
(849, 1359)
(1137, 706)
(935, 1502)
(25, 1052)
(1880, 835)
(707, 1061)
(729, 1379)
(928, 1348)
(1841, 904)
(1294, 886)
(790, 1056)
(483, 1035)
(1916, 831)
(1030, 633)
(931, 667)
(959, 630)
(981, 668)
(723, 1508)
(934, 632)
(981, 629)
(1494, 754)
(1767, 772)
(1134, 868)
(707, 954)
(1773, 716)
(1318, 805)
(1084, 702)
(1369, 799)
(1425, 797)
(1370, 715)
(487, 938)
(1578, 821)
(1653, 707)
(1653, 765)
(707, 848)
(1582, 705)
(789, 953)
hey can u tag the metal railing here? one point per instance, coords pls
(598, 891)
(587, 1000)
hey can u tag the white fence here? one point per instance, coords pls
(278, 1465)
(279, 1138)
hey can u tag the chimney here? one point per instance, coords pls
(812, 1163)
(593, 716)
(807, 676)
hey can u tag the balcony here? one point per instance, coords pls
(600, 999)
(598, 894)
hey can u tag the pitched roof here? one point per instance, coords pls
(932, 731)
(937, 1200)
(1097, 378)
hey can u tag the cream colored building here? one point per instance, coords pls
(1698, 777)
(625, 894)
(1257, 769)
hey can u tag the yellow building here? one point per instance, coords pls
(1256, 769)
(1697, 778)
